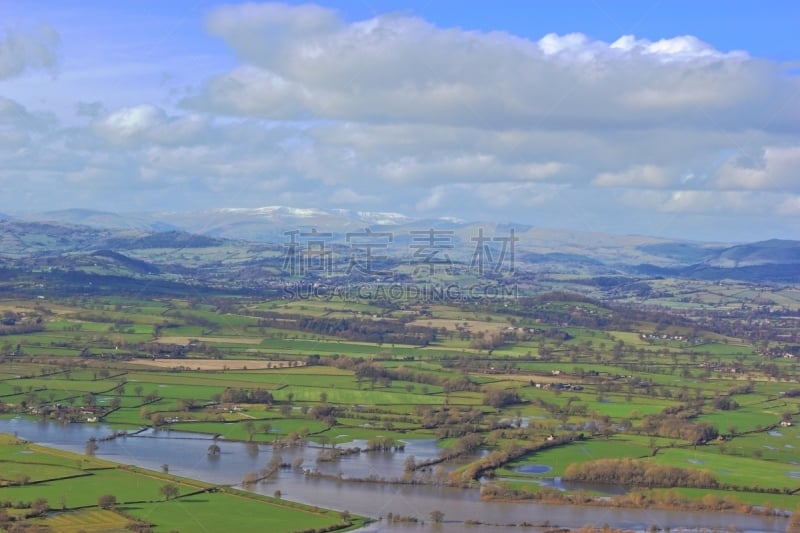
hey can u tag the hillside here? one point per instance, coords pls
(249, 246)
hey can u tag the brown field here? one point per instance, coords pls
(30, 307)
(215, 364)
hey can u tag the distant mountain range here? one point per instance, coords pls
(142, 242)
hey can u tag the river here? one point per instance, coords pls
(186, 454)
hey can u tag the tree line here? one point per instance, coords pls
(377, 331)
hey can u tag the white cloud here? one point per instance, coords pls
(129, 123)
(775, 168)
(305, 62)
(251, 91)
(394, 113)
(142, 124)
(682, 48)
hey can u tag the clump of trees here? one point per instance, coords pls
(725, 403)
(107, 501)
(678, 426)
(499, 398)
(231, 395)
(635, 472)
(380, 444)
(356, 329)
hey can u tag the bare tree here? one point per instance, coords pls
(91, 446)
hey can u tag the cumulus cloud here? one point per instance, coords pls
(775, 168)
(22, 50)
(305, 61)
(130, 123)
(394, 113)
(146, 123)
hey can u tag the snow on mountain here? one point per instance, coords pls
(384, 219)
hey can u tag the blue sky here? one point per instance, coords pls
(665, 118)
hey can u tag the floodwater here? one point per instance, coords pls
(187, 455)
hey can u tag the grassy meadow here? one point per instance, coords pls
(505, 379)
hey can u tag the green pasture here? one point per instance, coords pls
(75, 374)
(609, 381)
(177, 391)
(731, 469)
(356, 397)
(203, 380)
(323, 381)
(777, 501)
(13, 471)
(780, 445)
(558, 459)
(15, 450)
(410, 386)
(83, 491)
(348, 433)
(213, 512)
(129, 401)
(138, 493)
(617, 406)
(728, 350)
(228, 323)
(62, 384)
(746, 418)
(125, 418)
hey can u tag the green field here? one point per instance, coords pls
(75, 483)
(607, 381)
